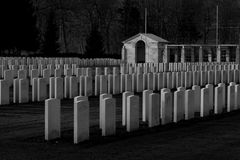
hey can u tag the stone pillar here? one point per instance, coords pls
(166, 55)
(237, 54)
(218, 54)
(192, 55)
(124, 54)
(183, 55)
(176, 55)
(200, 54)
(209, 55)
(160, 54)
(227, 55)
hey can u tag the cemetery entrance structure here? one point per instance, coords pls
(149, 48)
(143, 48)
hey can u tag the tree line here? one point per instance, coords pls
(95, 28)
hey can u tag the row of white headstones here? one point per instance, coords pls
(158, 108)
(45, 61)
(35, 70)
(65, 85)
(176, 67)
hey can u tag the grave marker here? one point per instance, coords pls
(52, 119)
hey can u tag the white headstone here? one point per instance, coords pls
(210, 77)
(66, 87)
(224, 94)
(155, 81)
(211, 95)
(174, 78)
(150, 81)
(81, 85)
(52, 119)
(230, 98)
(110, 84)
(183, 79)
(188, 79)
(236, 76)
(164, 79)
(122, 83)
(197, 98)
(154, 110)
(4, 92)
(23, 91)
(73, 87)
(189, 104)
(116, 84)
(97, 85)
(22, 74)
(195, 78)
(88, 86)
(101, 98)
(223, 76)
(166, 108)
(203, 78)
(139, 83)
(109, 117)
(204, 102)
(128, 82)
(34, 89)
(178, 79)
(8, 76)
(103, 84)
(145, 104)
(57, 73)
(16, 91)
(160, 81)
(58, 89)
(178, 108)
(52, 87)
(81, 121)
(124, 106)
(237, 97)
(42, 89)
(132, 113)
(217, 77)
(80, 98)
(169, 80)
(218, 102)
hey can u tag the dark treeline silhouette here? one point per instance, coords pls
(18, 27)
(49, 43)
(94, 45)
(98, 27)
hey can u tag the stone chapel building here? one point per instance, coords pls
(143, 48)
